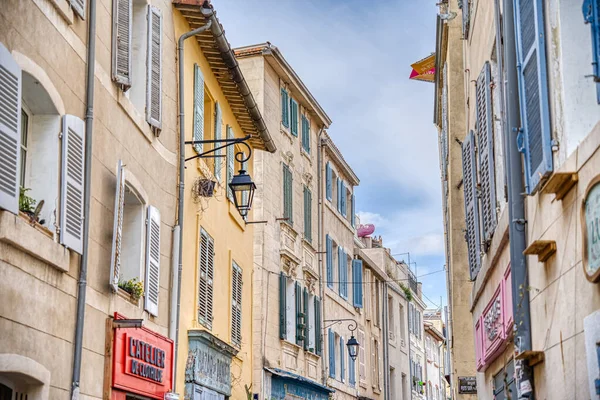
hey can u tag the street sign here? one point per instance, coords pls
(467, 385)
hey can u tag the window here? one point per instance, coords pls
(329, 260)
(285, 108)
(288, 199)
(342, 356)
(392, 327)
(328, 181)
(132, 236)
(218, 168)
(342, 272)
(307, 214)
(236, 304)
(305, 134)
(401, 323)
(505, 386)
(206, 269)
(331, 352)
(294, 117)
(429, 391)
(376, 301)
(351, 370)
(367, 296)
(362, 358)
(375, 363)
(311, 336)
(24, 132)
(357, 283)
(290, 311)
(591, 15)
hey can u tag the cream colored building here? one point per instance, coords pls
(44, 102)
(287, 295)
(434, 342)
(559, 136)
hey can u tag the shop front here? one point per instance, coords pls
(287, 386)
(142, 362)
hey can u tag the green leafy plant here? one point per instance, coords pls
(134, 287)
(26, 203)
(406, 291)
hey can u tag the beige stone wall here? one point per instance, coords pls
(37, 317)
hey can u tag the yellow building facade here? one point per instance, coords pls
(215, 324)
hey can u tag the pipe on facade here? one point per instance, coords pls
(386, 343)
(236, 74)
(320, 227)
(516, 209)
(179, 225)
(174, 283)
(89, 125)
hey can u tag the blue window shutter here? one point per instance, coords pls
(318, 346)
(339, 202)
(485, 141)
(466, 17)
(535, 138)
(353, 211)
(294, 117)
(285, 116)
(198, 107)
(329, 252)
(471, 204)
(591, 15)
(351, 370)
(357, 283)
(282, 305)
(331, 350)
(342, 358)
(345, 269)
(340, 270)
(329, 184)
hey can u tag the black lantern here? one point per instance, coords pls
(352, 347)
(243, 189)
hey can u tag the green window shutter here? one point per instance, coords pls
(328, 181)
(218, 136)
(294, 117)
(285, 116)
(307, 214)
(299, 315)
(287, 194)
(198, 107)
(305, 134)
(357, 283)
(318, 343)
(305, 317)
(329, 252)
(230, 163)
(282, 305)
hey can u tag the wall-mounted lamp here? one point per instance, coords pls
(352, 343)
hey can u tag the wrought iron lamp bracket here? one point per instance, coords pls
(239, 156)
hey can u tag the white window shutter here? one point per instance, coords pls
(72, 178)
(10, 131)
(121, 42)
(198, 107)
(79, 7)
(218, 136)
(154, 65)
(230, 163)
(115, 262)
(152, 291)
(236, 304)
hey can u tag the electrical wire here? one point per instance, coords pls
(382, 280)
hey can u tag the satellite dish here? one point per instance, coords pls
(365, 230)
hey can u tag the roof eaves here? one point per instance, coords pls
(336, 154)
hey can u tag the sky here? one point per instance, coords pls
(355, 56)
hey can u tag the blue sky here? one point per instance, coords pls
(355, 58)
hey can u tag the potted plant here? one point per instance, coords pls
(134, 287)
(27, 206)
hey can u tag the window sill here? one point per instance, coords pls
(134, 115)
(340, 300)
(33, 240)
(339, 216)
(127, 296)
(64, 9)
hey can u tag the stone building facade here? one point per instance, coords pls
(558, 135)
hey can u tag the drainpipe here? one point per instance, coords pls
(410, 376)
(516, 210)
(179, 225)
(89, 126)
(320, 218)
(386, 340)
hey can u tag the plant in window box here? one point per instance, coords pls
(406, 291)
(134, 287)
(27, 206)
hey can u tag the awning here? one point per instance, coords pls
(424, 70)
(289, 375)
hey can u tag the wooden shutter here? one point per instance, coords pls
(340, 255)
(357, 283)
(339, 195)
(471, 204)
(218, 136)
(305, 134)
(72, 182)
(328, 181)
(10, 131)
(351, 370)
(485, 140)
(287, 194)
(362, 362)
(466, 17)
(331, 352)
(410, 318)
(152, 291)
(294, 117)
(591, 15)
(198, 107)
(329, 260)
(154, 65)
(353, 211)
(535, 138)
(305, 317)
(299, 314)
(282, 306)
(342, 363)
(285, 116)
(230, 163)
(121, 43)
(115, 262)
(236, 304)
(307, 214)
(318, 343)
(79, 7)
(206, 279)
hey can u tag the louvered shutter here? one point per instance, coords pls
(357, 283)
(305, 134)
(535, 138)
(328, 181)
(218, 136)
(206, 280)
(285, 117)
(230, 163)
(79, 7)
(298, 313)
(287, 194)
(305, 318)
(353, 211)
(331, 352)
(154, 66)
(282, 306)
(115, 262)
(294, 117)
(351, 370)
(410, 318)
(307, 214)
(318, 343)
(121, 43)
(471, 204)
(198, 107)
(10, 131)
(339, 201)
(485, 140)
(340, 255)
(329, 260)
(236, 304)
(72, 181)
(342, 363)
(466, 17)
(152, 290)
(362, 362)
(591, 15)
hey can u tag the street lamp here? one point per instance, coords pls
(353, 347)
(352, 343)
